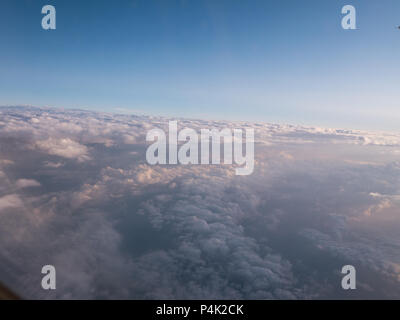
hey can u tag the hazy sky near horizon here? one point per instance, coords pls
(273, 61)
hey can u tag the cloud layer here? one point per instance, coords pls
(77, 193)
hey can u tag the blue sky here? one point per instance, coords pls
(273, 61)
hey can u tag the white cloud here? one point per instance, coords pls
(64, 147)
(10, 201)
(53, 164)
(26, 183)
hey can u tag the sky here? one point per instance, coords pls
(273, 61)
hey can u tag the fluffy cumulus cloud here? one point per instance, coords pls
(76, 192)
(65, 148)
(26, 183)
